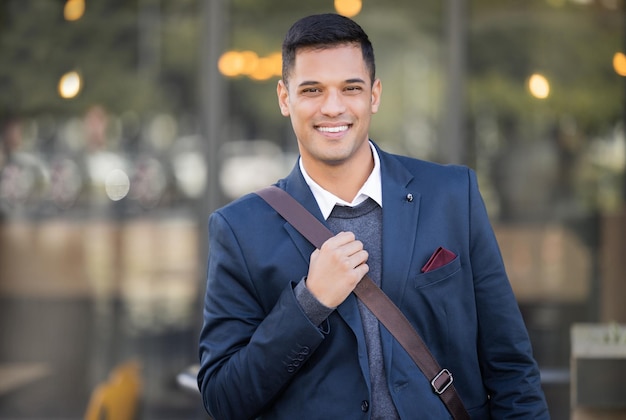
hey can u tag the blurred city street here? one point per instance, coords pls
(42, 377)
(64, 327)
(124, 124)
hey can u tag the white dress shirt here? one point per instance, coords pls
(372, 188)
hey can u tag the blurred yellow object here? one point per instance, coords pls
(619, 63)
(348, 8)
(74, 9)
(70, 85)
(118, 397)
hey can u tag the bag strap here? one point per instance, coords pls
(375, 299)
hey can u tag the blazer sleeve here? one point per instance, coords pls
(247, 354)
(509, 370)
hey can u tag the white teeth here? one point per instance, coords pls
(333, 129)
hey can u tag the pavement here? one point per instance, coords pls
(55, 351)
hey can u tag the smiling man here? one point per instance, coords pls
(330, 95)
(284, 336)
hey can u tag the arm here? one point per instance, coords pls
(509, 370)
(248, 355)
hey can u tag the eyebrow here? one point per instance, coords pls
(348, 81)
(308, 83)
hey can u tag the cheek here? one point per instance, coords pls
(298, 122)
(302, 111)
(365, 109)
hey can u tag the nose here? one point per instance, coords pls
(333, 104)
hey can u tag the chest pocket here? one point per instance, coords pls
(439, 275)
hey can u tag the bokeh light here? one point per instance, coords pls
(70, 85)
(250, 64)
(619, 63)
(250, 61)
(539, 86)
(117, 184)
(74, 9)
(348, 8)
(230, 64)
(263, 70)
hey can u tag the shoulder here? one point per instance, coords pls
(421, 166)
(428, 172)
(242, 207)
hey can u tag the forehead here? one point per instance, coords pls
(344, 61)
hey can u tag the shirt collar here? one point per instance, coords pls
(372, 188)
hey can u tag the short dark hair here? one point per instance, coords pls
(325, 31)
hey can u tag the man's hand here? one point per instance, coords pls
(336, 268)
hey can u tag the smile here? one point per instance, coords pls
(337, 129)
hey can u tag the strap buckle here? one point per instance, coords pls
(448, 381)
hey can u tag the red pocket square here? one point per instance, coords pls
(439, 258)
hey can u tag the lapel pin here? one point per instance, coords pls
(409, 197)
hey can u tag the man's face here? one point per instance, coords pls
(330, 99)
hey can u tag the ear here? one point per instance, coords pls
(377, 90)
(283, 98)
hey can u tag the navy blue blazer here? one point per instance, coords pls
(262, 357)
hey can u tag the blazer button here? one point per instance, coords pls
(365, 405)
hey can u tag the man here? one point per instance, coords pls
(284, 337)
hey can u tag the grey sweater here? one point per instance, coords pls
(365, 221)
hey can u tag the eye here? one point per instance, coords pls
(310, 91)
(352, 89)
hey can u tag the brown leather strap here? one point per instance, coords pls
(375, 299)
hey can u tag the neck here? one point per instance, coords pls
(343, 180)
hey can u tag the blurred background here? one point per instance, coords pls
(124, 123)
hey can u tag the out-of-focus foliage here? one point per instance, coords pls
(138, 54)
(144, 56)
(572, 46)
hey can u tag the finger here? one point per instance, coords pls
(358, 259)
(351, 248)
(338, 240)
(362, 270)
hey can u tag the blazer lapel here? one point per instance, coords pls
(401, 206)
(400, 216)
